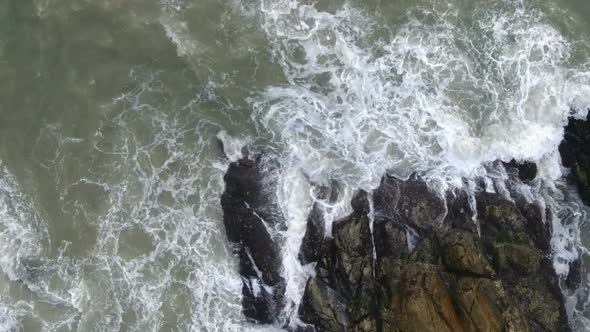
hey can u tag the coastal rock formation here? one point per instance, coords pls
(252, 220)
(436, 268)
(316, 223)
(408, 258)
(575, 154)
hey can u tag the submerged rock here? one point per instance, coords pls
(525, 170)
(252, 219)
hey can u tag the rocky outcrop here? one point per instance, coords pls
(407, 258)
(345, 272)
(524, 170)
(311, 244)
(575, 154)
(432, 264)
(252, 220)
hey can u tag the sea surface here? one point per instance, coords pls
(112, 114)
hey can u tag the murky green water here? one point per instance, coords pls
(110, 112)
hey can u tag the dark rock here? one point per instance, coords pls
(484, 305)
(422, 301)
(344, 276)
(526, 273)
(326, 265)
(536, 292)
(252, 218)
(311, 244)
(323, 307)
(408, 202)
(500, 220)
(463, 253)
(33, 268)
(427, 250)
(354, 259)
(575, 275)
(537, 226)
(525, 170)
(459, 211)
(313, 238)
(575, 154)
(423, 263)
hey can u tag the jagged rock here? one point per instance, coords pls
(252, 217)
(576, 273)
(462, 253)
(354, 260)
(533, 285)
(427, 250)
(500, 220)
(525, 170)
(538, 228)
(459, 212)
(327, 263)
(408, 202)
(421, 264)
(526, 273)
(311, 245)
(323, 307)
(485, 306)
(391, 248)
(422, 301)
(575, 154)
(345, 268)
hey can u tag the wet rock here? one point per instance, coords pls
(252, 217)
(311, 245)
(526, 273)
(427, 250)
(462, 253)
(484, 305)
(525, 170)
(460, 214)
(536, 292)
(500, 220)
(323, 307)
(408, 202)
(537, 226)
(345, 272)
(576, 273)
(33, 268)
(420, 264)
(392, 249)
(575, 154)
(422, 301)
(354, 260)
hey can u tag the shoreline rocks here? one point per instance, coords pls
(452, 279)
(407, 258)
(575, 154)
(252, 217)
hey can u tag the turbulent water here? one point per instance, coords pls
(111, 114)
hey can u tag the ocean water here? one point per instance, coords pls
(111, 114)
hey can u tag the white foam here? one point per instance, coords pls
(438, 95)
(430, 97)
(178, 33)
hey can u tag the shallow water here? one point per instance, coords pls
(111, 112)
